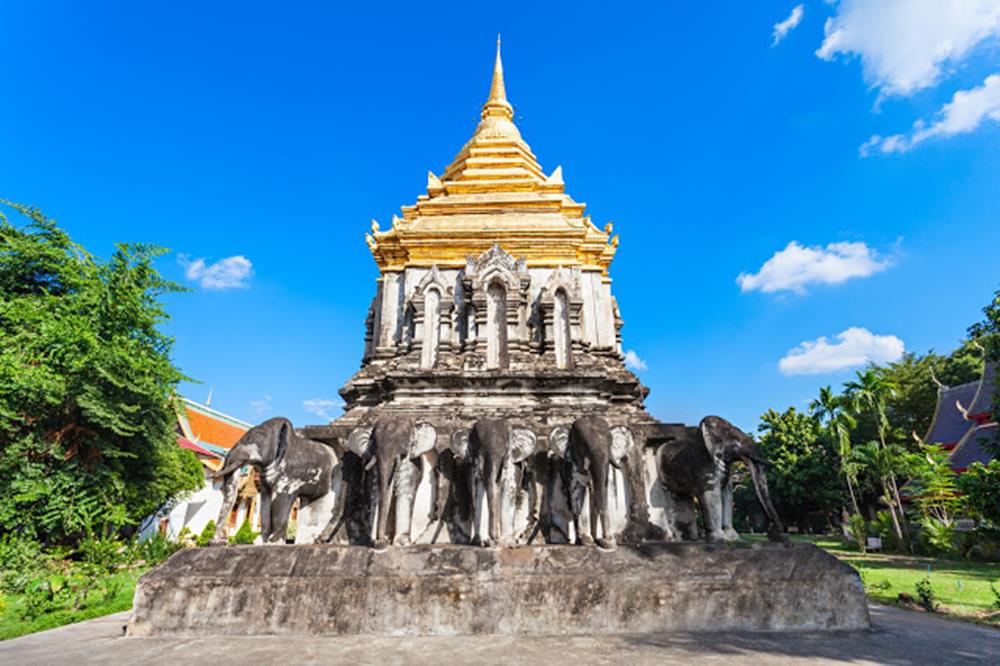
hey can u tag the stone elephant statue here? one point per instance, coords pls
(393, 447)
(497, 448)
(290, 466)
(698, 466)
(593, 449)
(489, 447)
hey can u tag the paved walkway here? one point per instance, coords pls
(898, 637)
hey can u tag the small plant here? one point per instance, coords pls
(157, 548)
(245, 535)
(21, 561)
(205, 538)
(996, 596)
(939, 535)
(882, 585)
(926, 598)
(186, 538)
(858, 529)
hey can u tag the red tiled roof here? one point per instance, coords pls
(212, 429)
(186, 443)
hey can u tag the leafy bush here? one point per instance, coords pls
(939, 536)
(205, 538)
(926, 598)
(884, 528)
(980, 486)
(21, 560)
(245, 535)
(106, 554)
(158, 548)
(858, 528)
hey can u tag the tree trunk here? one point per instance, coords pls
(892, 512)
(850, 489)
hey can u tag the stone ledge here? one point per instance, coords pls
(452, 590)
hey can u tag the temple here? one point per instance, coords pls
(493, 300)
(963, 421)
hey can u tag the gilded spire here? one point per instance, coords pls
(497, 104)
(493, 192)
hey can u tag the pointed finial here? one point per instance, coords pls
(497, 103)
(497, 91)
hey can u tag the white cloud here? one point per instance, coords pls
(795, 267)
(321, 407)
(782, 29)
(854, 347)
(261, 406)
(964, 113)
(905, 44)
(229, 273)
(632, 360)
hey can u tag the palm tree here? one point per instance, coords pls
(883, 463)
(830, 411)
(868, 394)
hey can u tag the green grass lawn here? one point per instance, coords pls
(13, 624)
(961, 587)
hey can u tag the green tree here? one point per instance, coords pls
(869, 394)
(830, 410)
(86, 386)
(803, 472)
(980, 486)
(934, 484)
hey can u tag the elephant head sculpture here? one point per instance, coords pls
(291, 467)
(699, 465)
(394, 447)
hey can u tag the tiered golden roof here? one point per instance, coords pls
(494, 192)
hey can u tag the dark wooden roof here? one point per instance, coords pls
(971, 449)
(949, 424)
(983, 401)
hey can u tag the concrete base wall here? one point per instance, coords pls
(448, 590)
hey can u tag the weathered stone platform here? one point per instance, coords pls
(448, 590)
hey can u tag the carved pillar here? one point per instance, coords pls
(391, 315)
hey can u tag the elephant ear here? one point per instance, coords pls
(423, 439)
(359, 442)
(522, 444)
(460, 443)
(559, 441)
(712, 433)
(284, 438)
(621, 443)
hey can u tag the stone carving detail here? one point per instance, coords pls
(559, 312)
(496, 290)
(431, 310)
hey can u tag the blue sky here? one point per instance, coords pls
(242, 130)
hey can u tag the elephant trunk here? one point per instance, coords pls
(775, 529)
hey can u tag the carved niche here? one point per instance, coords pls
(560, 304)
(431, 310)
(496, 289)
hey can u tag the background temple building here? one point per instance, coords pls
(494, 300)
(209, 434)
(963, 421)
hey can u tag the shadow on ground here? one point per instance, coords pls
(899, 637)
